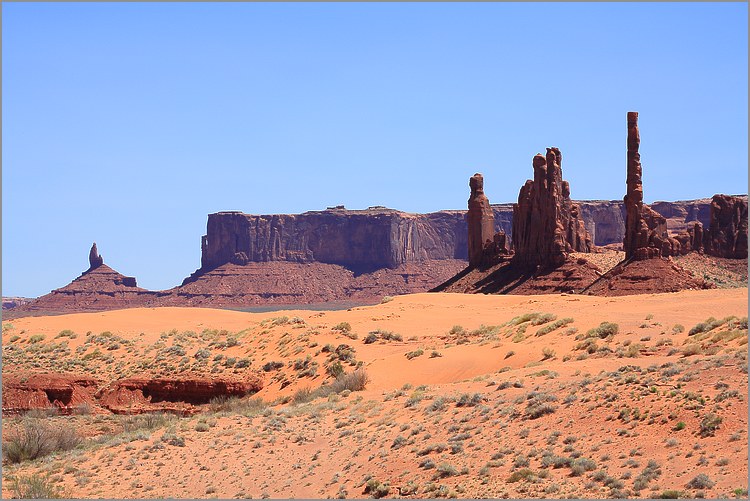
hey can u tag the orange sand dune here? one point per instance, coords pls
(453, 383)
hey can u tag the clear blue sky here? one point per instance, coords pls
(127, 123)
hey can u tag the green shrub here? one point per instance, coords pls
(36, 338)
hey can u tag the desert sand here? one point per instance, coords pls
(468, 396)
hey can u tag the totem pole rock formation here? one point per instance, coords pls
(481, 221)
(645, 229)
(547, 225)
(95, 260)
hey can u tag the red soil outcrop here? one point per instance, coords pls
(63, 392)
(66, 392)
(179, 395)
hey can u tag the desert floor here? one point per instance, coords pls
(468, 396)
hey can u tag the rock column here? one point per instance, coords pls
(481, 220)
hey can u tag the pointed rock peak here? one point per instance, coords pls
(95, 260)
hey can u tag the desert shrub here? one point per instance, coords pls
(279, 321)
(522, 474)
(387, 335)
(35, 486)
(303, 395)
(677, 328)
(710, 324)
(468, 400)
(414, 354)
(147, 421)
(538, 404)
(386, 299)
(67, 333)
(669, 494)
(202, 354)
(38, 438)
(435, 354)
(543, 318)
(242, 363)
(342, 326)
(335, 369)
(555, 461)
(581, 465)
(202, 426)
(548, 353)
(679, 426)
(272, 366)
(353, 381)
(553, 326)
(700, 481)
(370, 338)
(444, 470)
(173, 439)
(376, 488)
(691, 349)
(534, 318)
(457, 330)
(238, 405)
(709, 424)
(437, 404)
(605, 330)
(36, 338)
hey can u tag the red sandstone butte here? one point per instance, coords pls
(546, 224)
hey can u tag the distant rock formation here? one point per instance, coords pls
(727, 233)
(480, 220)
(98, 288)
(95, 260)
(547, 227)
(647, 244)
(645, 229)
(546, 223)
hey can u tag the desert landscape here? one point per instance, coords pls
(550, 369)
(582, 335)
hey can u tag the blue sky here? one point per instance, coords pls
(127, 123)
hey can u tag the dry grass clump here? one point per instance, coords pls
(35, 486)
(38, 438)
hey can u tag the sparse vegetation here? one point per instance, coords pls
(37, 438)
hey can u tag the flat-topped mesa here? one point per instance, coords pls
(480, 220)
(547, 225)
(95, 260)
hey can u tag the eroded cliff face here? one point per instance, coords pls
(360, 240)
(367, 240)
